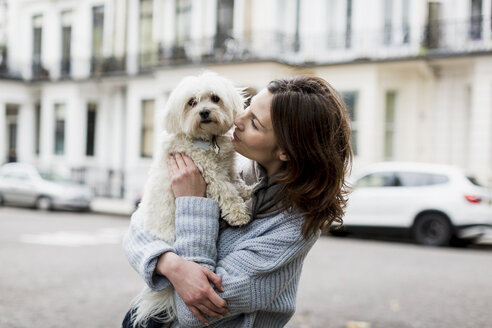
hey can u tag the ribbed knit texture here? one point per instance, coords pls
(260, 264)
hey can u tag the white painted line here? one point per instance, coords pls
(106, 236)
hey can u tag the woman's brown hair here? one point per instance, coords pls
(312, 126)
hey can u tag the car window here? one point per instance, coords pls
(379, 179)
(51, 176)
(474, 181)
(16, 175)
(416, 179)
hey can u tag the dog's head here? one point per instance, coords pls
(203, 106)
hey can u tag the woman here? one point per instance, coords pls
(296, 132)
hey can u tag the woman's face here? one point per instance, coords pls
(253, 135)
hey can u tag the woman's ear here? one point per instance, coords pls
(282, 155)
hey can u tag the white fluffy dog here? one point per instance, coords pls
(199, 113)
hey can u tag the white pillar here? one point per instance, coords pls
(132, 39)
(118, 134)
(81, 42)
(106, 121)
(75, 129)
(47, 132)
(26, 134)
(3, 134)
(480, 148)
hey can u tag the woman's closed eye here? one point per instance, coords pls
(253, 124)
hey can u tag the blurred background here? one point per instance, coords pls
(83, 82)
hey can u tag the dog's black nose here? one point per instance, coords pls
(204, 113)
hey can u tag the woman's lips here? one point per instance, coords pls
(235, 136)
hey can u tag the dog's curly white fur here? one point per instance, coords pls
(200, 111)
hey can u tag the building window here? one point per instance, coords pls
(405, 21)
(389, 125)
(66, 48)
(12, 115)
(388, 22)
(225, 22)
(351, 103)
(147, 47)
(331, 21)
(37, 127)
(91, 129)
(147, 135)
(97, 38)
(348, 25)
(432, 35)
(183, 22)
(60, 112)
(37, 33)
(287, 26)
(476, 20)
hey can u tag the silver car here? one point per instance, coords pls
(23, 184)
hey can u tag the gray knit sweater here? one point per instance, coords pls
(260, 264)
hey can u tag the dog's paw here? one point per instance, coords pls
(237, 215)
(245, 191)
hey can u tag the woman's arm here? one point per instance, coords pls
(254, 273)
(143, 250)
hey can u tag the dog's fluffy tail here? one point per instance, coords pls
(157, 305)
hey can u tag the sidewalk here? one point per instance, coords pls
(113, 206)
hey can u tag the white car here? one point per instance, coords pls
(23, 184)
(437, 204)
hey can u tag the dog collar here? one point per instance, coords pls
(206, 145)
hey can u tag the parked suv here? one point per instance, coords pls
(437, 204)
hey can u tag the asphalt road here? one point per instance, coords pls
(61, 269)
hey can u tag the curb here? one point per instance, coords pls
(112, 206)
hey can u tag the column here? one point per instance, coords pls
(132, 40)
(3, 134)
(26, 133)
(480, 147)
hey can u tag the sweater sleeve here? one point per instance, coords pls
(255, 273)
(142, 251)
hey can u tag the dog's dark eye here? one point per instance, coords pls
(192, 102)
(215, 98)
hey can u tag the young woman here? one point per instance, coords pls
(297, 134)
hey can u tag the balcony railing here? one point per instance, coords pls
(103, 182)
(65, 68)
(439, 38)
(444, 37)
(107, 66)
(39, 72)
(5, 70)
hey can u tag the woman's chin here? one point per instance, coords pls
(238, 149)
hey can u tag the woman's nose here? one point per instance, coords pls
(239, 119)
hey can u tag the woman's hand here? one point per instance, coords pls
(186, 179)
(192, 282)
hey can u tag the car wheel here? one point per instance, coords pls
(44, 203)
(339, 231)
(432, 230)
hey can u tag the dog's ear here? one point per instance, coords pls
(170, 118)
(239, 100)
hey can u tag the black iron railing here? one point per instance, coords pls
(107, 66)
(438, 38)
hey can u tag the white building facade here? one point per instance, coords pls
(83, 82)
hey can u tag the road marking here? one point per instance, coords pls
(358, 324)
(108, 236)
(394, 306)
